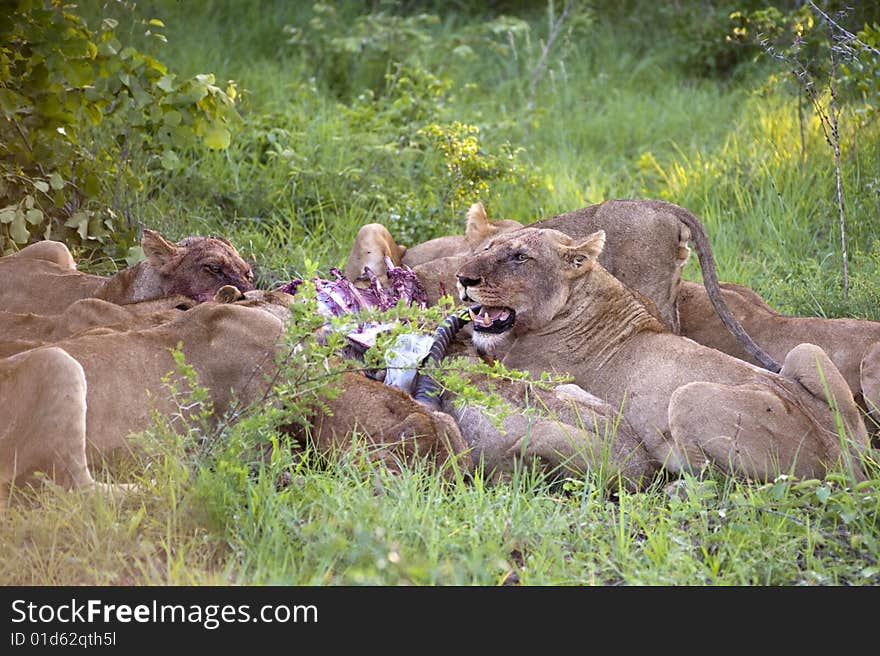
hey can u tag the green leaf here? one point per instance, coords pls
(107, 49)
(80, 221)
(823, 493)
(34, 216)
(9, 102)
(79, 73)
(156, 21)
(7, 214)
(172, 118)
(778, 490)
(18, 229)
(166, 83)
(170, 160)
(206, 79)
(92, 185)
(183, 135)
(56, 181)
(94, 113)
(217, 137)
(96, 228)
(141, 97)
(135, 255)
(41, 186)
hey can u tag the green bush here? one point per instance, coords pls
(86, 121)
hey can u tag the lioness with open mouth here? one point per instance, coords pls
(548, 305)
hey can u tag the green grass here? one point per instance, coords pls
(348, 524)
(615, 115)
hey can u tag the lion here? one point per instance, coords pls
(373, 243)
(647, 248)
(43, 425)
(852, 344)
(646, 245)
(565, 431)
(232, 345)
(17, 330)
(547, 304)
(478, 230)
(50, 251)
(41, 278)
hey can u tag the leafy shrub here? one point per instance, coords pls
(801, 35)
(85, 120)
(350, 55)
(404, 161)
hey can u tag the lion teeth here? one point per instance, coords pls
(472, 314)
(486, 318)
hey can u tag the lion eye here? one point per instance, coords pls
(519, 257)
(213, 268)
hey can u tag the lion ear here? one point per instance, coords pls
(586, 251)
(228, 294)
(157, 249)
(478, 227)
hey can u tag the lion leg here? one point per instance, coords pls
(45, 430)
(429, 434)
(746, 430)
(567, 430)
(397, 428)
(810, 366)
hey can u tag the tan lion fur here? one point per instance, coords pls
(565, 431)
(646, 245)
(232, 347)
(689, 404)
(852, 344)
(85, 314)
(40, 279)
(478, 230)
(374, 242)
(50, 251)
(646, 248)
(43, 421)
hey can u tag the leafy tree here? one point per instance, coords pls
(827, 64)
(84, 119)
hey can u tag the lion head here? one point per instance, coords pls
(196, 266)
(521, 281)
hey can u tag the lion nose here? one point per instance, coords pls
(464, 281)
